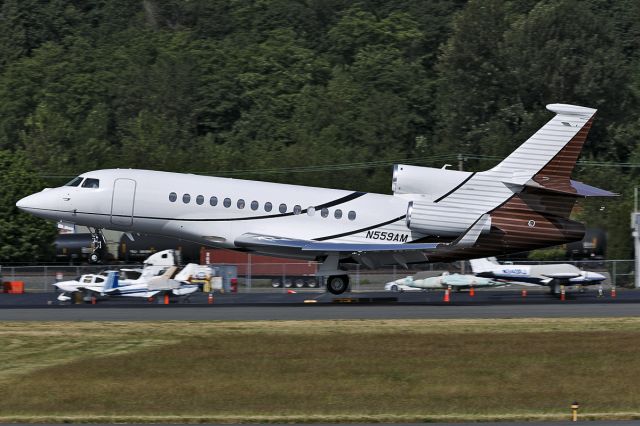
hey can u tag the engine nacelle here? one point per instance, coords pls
(443, 221)
(426, 180)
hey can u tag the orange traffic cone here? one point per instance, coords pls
(447, 297)
(562, 295)
(613, 292)
(472, 291)
(210, 298)
(524, 292)
(93, 300)
(166, 299)
(291, 291)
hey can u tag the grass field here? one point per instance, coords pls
(396, 370)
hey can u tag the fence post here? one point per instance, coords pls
(44, 280)
(248, 277)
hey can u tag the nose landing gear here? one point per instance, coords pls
(98, 245)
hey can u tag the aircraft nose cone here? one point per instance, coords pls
(25, 203)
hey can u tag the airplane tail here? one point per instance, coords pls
(527, 198)
(186, 272)
(111, 282)
(483, 265)
(553, 150)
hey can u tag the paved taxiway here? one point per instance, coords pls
(371, 305)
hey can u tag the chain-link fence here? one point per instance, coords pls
(255, 277)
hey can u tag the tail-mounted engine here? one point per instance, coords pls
(433, 183)
(439, 220)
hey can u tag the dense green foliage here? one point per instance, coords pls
(265, 88)
(24, 237)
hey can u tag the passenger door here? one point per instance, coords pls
(122, 202)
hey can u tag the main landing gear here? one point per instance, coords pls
(337, 284)
(98, 245)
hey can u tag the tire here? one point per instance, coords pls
(337, 284)
(288, 283)
(276, 284)
(312, 283)
(299, 283)
(394, 288)
(94, 257)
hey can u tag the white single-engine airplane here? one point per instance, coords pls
(434, 214)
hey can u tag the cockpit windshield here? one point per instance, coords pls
(75, 181)
(91, 183)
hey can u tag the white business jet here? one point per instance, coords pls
(551, 275)
(434, 214)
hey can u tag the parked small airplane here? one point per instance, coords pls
(552, 275)
(434, 215)
(155, 277)
(454, 281)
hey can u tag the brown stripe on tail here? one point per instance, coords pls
(556, 174)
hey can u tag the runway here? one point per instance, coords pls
(368, 305)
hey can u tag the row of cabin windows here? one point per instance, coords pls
(240, 204)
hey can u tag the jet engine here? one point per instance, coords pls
(443, 221)
(428, 181)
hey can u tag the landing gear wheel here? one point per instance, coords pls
(98, 243)
(337, 284)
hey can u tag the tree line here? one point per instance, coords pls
(313, 92)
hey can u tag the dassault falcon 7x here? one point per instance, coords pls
(434, 214)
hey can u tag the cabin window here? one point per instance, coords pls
(227, 202)
(352, 215)
(337, 214)
(283, 208)
(91, 183)
(87, 279)
(200, 200)
(99, 280)
(240, 203)
(186, 198)
(74, 182)
(297, 209)
(173, 197)
(254, 205)
(324, 212)
(213, 201)
(268, 206)
(311, 210)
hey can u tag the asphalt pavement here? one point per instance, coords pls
(316, 304)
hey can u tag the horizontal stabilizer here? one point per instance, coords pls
(566, 187)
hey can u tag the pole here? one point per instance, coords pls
(248, 284)
(636, 245)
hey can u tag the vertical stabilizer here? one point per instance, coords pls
(554, 149)
(111, 282)
(483, 265)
